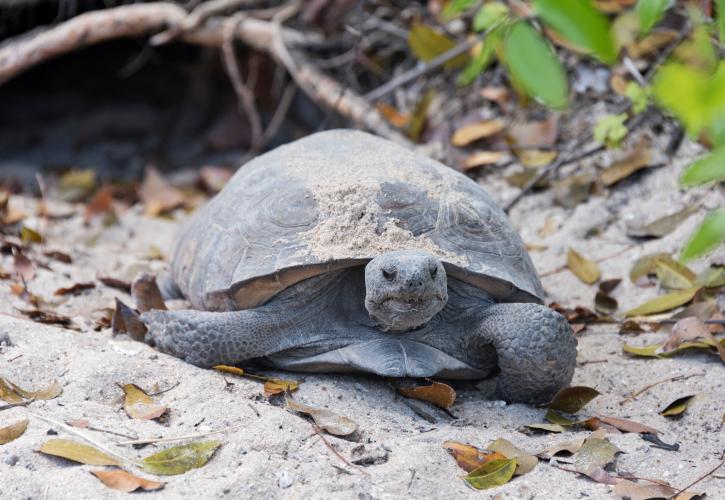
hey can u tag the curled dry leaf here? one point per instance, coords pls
(46, 317)
(126, 320)
(678, 406)
(593, 456)
(146, 294)
(644, 266)
(636, 160)
(634, 491)
(438, 393)
(272, 386)
(13, 431)
(482, 158)
(74, 289)
(572, 399)
(471, 132)
(569, 447)
(77, 452)
(126, 482)
(23, 266)
(608, 286)
(180, 459)
(492, 474)
(324, 418)
(525, 462)
(469, 457)
(546, 427)
(691, 329)
(157, 195)
(585, 269)
(673, 275)
(664, 302)
(140, 405)
(621, 424)
(604, 304)
(12, 393)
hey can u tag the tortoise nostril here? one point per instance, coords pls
(389, 275)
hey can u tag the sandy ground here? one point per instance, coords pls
(273, 453)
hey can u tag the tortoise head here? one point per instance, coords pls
(404, 289)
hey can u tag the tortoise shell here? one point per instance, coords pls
(337, 199)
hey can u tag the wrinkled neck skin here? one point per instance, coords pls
(404, 289)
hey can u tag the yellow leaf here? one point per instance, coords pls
(77, 452)
(13, 394)
(483, 158)
(585, 269)
(427, 43)
(474, 131)
(469, 457)
(140, 405)
(663, 303)
(229, 369)
(180, 459)
(535, 158)
(13, 431)
(673, 275)
(492, 474)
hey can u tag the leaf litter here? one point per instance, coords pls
(325, 419)
(125, 481)
(139, 405)
(180, 459)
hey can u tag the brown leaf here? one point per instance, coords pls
(535, 158)
(13, 431)
(59, 256)
(471, 132)
(622, 424)
(569, 447)
(157, 195)
(690, 330)
(438, 393)
(572, 190)
(585, 269)
(608, 286)
(272, 386)
(482, 158)
(23, 266)
(651, 43)
(126, 482)
(126, 320)
(593, 456)
(75, 289)
(633, 491)
(324, 418)
(47, 317)
(214, 178)
(636, 160)
(572, 399)
(116, 283)
(139, 405)
(469, 457)
(630, 326)
(525, 462)
(613, 6)
(100, 204)
(419, 116)
(663, 226)
(77, 452)
(499, 95)
(146, 294)
(605, 304)
(390, 113)
(13, 393)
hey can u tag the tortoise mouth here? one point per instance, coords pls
(400, 313)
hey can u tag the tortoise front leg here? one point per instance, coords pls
(536, 350)
(210, 338)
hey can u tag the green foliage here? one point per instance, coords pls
(489, 15)
(638, 95)
(610, 130)
(534, 67)
(580, 23)
(707, 236)
(720, 4)
(695, 97)
(479, 63)
(650, 12)
(710, 168)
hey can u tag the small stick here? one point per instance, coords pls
(81, 435)
(106, 431)
(704, 476)
(333, 450)
(655, 384)
(179, 438)
(165, 390)
(15, 405)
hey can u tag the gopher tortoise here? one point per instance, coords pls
(344, 252)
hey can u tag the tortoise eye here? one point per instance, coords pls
(389, 275)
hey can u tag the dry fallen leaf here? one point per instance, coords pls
(214, 178)
(101, 204)
(23, 266)
(272, 386)
(637, 159)
(691, 329)
(481, 158)
(585, 269)
(525, 462)
(12, 393)
(157, 195)
(438, 393)
(126, 320)
(634, 491)
(74, 289)
(146, 294)
(492, 474)
(140, 405)
(645, 266)
(621, 424)
(469, 457)
(180, 459)
(664, 302)
(324, 418)
(13, 431)
(651, 43)
(77, 452)
(471, 132)
(570, 447)
(678, 406)
(126, 482)
(572, 399)
(663, 225)
(75, 185)
(593, 456)
(674, 276)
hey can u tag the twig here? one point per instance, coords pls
(333, 450)
(248, 109)
(646, 388)
(165, 390)
(201, 13)
(179, 438)
(106, 431)
(15, 405)
(704, 476)
(81, 435)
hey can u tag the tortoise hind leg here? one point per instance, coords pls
(210, 338)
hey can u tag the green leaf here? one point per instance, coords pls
(428, 43)
(581, 24)
(180, 459)
(709, 234)
(663, 303)
(650, 12)
(638, 95)
(77, 452)
(721, 18)
(610, 129)
(572, 399)
(534, 66)
(478, 64)
(646, 351)
(456, 7)
(492, 474)
(710, 168)
(489, 15)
